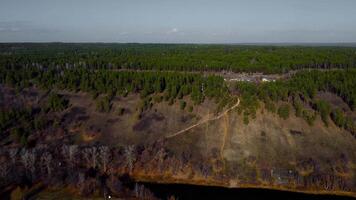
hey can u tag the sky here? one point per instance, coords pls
(178, 21)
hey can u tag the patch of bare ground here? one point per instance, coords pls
(336, 102)
(131, 127)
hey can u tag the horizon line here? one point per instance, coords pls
(187, 43)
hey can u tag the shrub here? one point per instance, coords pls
(190, 109)
(56, 102)
(17, 194)
(145, 104)
(271, 107)
(120, 111)
(103, 104)
(309, 116)
(246, 120)
(94, 95)
(183, 104)
(23, 140)
(283, 111)
(16, 133)
(39, 122)
(324, 109)
(157, 98)
(298, 106)
(338, 117)
(171, 101)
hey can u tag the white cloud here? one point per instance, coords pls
(173, 30)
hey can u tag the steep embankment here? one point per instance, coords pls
(267, 153)
(171, 145)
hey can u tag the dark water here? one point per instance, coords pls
(183, 192)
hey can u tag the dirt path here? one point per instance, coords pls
(205, 121)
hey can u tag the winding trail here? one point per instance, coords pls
(205, 121)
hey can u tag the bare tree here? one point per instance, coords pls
(104, 153)
(13, 154)
(90, 155)
(46, 159)
(4, 169)
(73, 149)
(161, 155)
(130, 156)
(28, 158)
(81, 180)
(69, 152)
(141, 192)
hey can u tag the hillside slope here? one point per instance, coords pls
(220, 149)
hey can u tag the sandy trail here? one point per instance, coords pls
(205, 121)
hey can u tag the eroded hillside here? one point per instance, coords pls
(220, 150)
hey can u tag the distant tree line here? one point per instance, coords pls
(178, 57)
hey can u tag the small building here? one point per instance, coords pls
(265, 80)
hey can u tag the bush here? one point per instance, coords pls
(39, 122)
(17, 194)
(157, 98)
(120, 111)
(183, 104)
(298, 106)
(324, 109)
(283, 111)
(103, 104)
(56, 102)
(190, 109)
(145, 104)
(94, 95)
(309, 116)
(245, 118)
(23, 140)
(271, 107)
(171, 101)
(338, 117)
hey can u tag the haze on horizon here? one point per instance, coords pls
(183, 21)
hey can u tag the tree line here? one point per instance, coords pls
(179, 57)
(169, 85)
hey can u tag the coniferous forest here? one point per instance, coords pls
(92, 116)
(180, 57)
(93, 68)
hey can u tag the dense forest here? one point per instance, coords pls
(172, 85)
(90, 68)
(299, 91)
(179, 57)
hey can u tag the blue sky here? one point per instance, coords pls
(178, 21)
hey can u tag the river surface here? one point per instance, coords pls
(183, 192)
